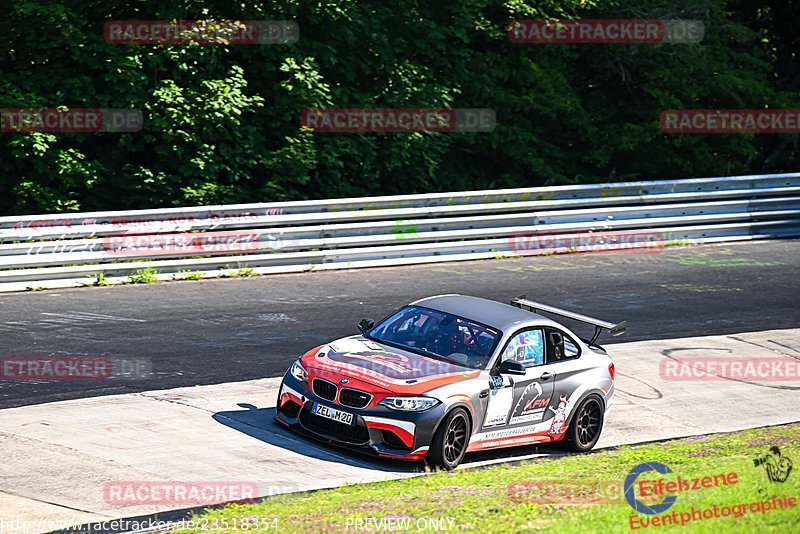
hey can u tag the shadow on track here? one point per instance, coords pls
(258, 423)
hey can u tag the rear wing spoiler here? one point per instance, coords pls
(599, 326)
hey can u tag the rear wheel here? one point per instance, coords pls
(586, 425)
(450, 441)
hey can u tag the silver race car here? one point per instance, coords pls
(452, 374)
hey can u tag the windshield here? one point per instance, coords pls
(438, 334)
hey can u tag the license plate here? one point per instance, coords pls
(332, 414)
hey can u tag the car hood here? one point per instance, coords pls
(397, 371)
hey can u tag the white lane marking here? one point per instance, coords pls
(88, 316)
(276, 318)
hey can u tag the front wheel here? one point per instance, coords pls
(584, 430)
(450, 441)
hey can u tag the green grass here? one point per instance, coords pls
(99, 280)
(680, 242)
(244, 271)
(186, 274)
(497, 499)
(143, 276)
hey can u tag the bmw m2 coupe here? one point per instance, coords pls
(452, 374)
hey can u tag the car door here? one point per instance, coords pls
(562, 354)
(521, 400)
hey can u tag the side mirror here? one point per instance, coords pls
(365, 325)
(511, 367)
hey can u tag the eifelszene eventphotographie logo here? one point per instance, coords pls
(630, 495)
(775, 464)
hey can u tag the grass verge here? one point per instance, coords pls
(571, 494)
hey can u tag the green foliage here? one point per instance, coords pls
(186, 274)
(143, 276)
(243, 271)
(222, 122)
(99, 280)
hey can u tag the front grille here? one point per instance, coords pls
(324, 389)
(354, 398)
(356, 434)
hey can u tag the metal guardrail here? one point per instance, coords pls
(67, 250)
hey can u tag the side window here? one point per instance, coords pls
(560, 346)
(526, 347)
(570, 349)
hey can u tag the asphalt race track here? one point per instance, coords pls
(235, 337)
(215, 331)
(59, 458)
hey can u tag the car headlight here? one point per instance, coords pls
(298, 371)
(409, 404)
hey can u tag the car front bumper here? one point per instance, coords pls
(376, 429)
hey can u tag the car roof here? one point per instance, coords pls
(489, 312)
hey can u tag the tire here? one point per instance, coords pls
(586, 425)
(449, 444)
